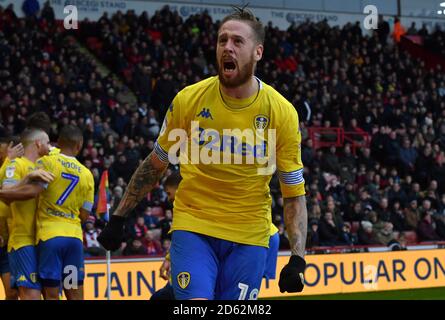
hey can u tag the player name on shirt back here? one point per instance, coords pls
(70, 165)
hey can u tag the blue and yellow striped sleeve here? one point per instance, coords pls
(89, 193)
(172, 120)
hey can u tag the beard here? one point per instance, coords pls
(243, 76)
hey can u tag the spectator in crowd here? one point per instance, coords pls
(365, 234)
(346, 236)
(415, 192)
(313, 239)
(92, 247)
(398, 218)
(399, 30)
(31, 8)
(424, 165)
(426, 229)
(412, 215)
(397, 194)
(48, 12)
(355, 212)
(440, 225)
(427, 206)
(165, 225)
(385, 235)
(135, 248)
(441, 206)
(120, 168)
(150, 220)
(153, 247)
(412, 30)
(331, 162)
(139, 228)
(347, 159)
(333, 208)
(408, 156)
(328, 230)
(383, 30)
(366, 159)
(383, 210)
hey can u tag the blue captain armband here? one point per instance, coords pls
(291, 178)
(161, 153)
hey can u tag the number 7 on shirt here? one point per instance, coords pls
(74, 180)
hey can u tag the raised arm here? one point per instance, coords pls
(142, 182)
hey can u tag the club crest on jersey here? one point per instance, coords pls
(33, 277)
(261, 122)
(183, 279)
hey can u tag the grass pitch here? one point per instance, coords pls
(411, 294)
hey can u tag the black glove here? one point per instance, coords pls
(112, 236)
(292, 275)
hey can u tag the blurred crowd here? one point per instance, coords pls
(391, 192)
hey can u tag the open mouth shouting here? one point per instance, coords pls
(229, 67)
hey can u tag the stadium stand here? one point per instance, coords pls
(373, 145)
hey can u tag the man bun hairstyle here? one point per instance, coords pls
(245, 15)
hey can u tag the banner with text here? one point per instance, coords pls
(325, 274)
(281, 18)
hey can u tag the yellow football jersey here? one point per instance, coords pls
(273, 229)
(4, 165)
(23, 213)
(4, 208)
(5, 211)
(228, 200)
(53, 151)
(60, 203)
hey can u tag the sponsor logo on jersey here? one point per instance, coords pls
(10, 172)
(205, 113)
(21, 278)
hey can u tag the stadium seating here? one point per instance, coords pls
(341, 74)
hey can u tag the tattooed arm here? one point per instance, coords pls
(295, 219)
(146, 176)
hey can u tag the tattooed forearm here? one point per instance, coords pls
(295, 219)
(141, 183)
